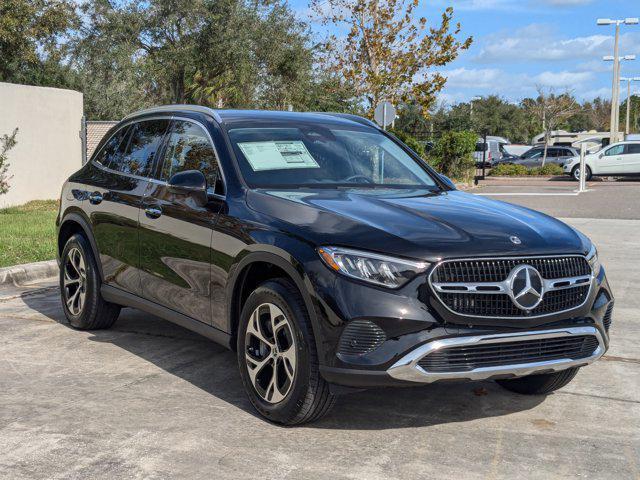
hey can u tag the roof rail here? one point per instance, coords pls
(175, 107)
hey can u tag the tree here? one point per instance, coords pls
(7, 142)
(31, 40)
(551, 110)
(634, 116)
(388, 53)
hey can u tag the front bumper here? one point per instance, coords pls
(396, 361)
(408, 368)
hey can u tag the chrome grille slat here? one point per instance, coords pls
(567, 280)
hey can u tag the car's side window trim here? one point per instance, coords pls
(165, 138)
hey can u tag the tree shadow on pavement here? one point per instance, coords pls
(214, 369)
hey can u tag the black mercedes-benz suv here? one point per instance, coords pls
(328, 254)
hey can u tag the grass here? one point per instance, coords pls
(28, 232)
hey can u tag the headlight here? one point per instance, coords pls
(592, 258)
(370, 267)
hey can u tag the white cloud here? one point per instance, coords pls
(464, 83)
(538, 42)
(567, 3)
(562, 80)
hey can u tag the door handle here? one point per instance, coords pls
(152, 212)
(95, 198)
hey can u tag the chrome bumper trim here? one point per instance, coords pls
(407, 367)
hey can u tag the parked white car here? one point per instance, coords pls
(622, 158)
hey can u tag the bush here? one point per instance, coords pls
(410, 141)
(452, 155)
(550, 169)
(7, 142)
(506, 169)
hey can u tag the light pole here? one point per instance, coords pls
(628, 80)
(615, 95)
(616, 64)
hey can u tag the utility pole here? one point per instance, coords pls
(615, 99)
(615, 95)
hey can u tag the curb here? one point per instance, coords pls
(26, 273)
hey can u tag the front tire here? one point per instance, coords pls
(277, 356)
(80, 283)
(539, 384)
(575, 173)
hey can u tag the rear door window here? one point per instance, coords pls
(144, 140)
(113, 148)
(633, 148)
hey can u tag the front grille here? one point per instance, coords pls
(470, 357)
(497, 270)
(607, 317)
(360, 337)
(500, 305)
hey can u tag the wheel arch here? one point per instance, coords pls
(264, 265)
(72, 223)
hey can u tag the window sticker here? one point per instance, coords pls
(277, 155)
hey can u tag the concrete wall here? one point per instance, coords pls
(49, 145)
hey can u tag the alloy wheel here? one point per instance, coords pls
(270, 353)
(75, 281)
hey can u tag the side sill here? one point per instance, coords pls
(126, 299)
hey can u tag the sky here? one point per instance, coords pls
(521, 44)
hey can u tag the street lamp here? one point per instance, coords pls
(616, 64)
(628, 80)
(615, 96)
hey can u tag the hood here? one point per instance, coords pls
(416, 224)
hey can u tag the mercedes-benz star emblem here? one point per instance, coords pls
(515, 240)
(526, 287)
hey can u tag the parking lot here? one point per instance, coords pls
(148, 399)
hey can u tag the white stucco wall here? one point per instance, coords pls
(49, 145)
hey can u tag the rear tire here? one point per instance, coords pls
(80, 283)
(280, 371)
(575, 173)
(539, 384)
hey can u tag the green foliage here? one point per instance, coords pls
(7, 142)
(30, 50)
(28, 233)
(452, 155)
(548, 169)
(410, 141)
(634, 114)
(508, 170)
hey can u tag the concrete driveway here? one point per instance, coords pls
(148, 399)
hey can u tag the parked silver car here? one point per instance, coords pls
(533, 158)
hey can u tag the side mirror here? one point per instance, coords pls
(190, 182)
(448, 182)
(601, 155)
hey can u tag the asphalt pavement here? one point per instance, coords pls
(148, 399)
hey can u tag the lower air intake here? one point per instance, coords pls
(470, 357)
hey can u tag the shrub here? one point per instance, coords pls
(551, 169)
(410, 141)
(452, 155)
(7, 142)
(507, 169)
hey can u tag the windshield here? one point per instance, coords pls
(317, 155)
